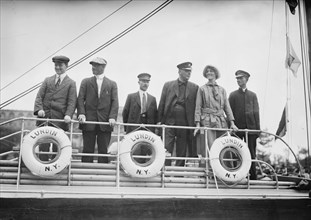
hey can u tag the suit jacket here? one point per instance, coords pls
(169, 98)
(56, 102)
(245, 109)
(132, 110)
(98, 109)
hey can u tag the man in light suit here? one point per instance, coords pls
(56, 98)
(245, 108)
(97, 101)
(138, 111)
(176, 107)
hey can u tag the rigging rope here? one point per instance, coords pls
(129, 29)
(67, 44)
(20, 95)
(112, 40)
(268, 66)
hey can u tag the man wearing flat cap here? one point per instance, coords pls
(97, 101)
(57, 96)
(140, 107)
(176, 107)
(245, 108)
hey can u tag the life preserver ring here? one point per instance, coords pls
(237, 170)
(46, 134)
(138, 139)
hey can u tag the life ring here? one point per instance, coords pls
(149, 141)
(230, 171)
(41, 135)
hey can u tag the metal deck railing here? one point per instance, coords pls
(14, 172)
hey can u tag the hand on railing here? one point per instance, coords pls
(112, 122)
(41, 114)
(233, 126)
(81, 118)
(196, 130)
(67, 119)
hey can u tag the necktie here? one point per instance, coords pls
(143, 105)
(215, 92)
(58, 82)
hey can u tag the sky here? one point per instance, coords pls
(230, 35)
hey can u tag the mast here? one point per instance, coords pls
(293, 63)
(304, 9)
(288, 85)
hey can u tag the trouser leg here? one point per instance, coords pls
(181, 134)
(169, 143)
(89, 138)
(252, 150)
(192, 144)
(181, 145)
(103, 140)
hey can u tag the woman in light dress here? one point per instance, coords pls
(212, 108)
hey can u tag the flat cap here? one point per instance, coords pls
(98, 60)
(60, 59)
(241, 73)
(185, 66)
(144, 76)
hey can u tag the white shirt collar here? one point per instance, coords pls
(62, 76)
(141, 92)
(99, 77)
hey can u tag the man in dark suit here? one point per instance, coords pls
(56, 99)
(245, 108)
(176, 107)
(97, 101)
(140, 107)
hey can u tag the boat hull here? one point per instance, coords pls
(150, 208)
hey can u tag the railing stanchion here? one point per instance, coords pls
(20, 155)
(118, 156)
(163, 139)
(206, 158)
(69, 167)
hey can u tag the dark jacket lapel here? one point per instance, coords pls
(51, 82)
(94, 84)
(149, 99)
(188, 87)
(63, 83)
(175, 86)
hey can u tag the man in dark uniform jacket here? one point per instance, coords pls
(97, 101)
(56, 99)
(140, 107)
(245, 108)
(176, 107)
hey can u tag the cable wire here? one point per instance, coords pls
(112, 40)
(268, 65)
(66, 45)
